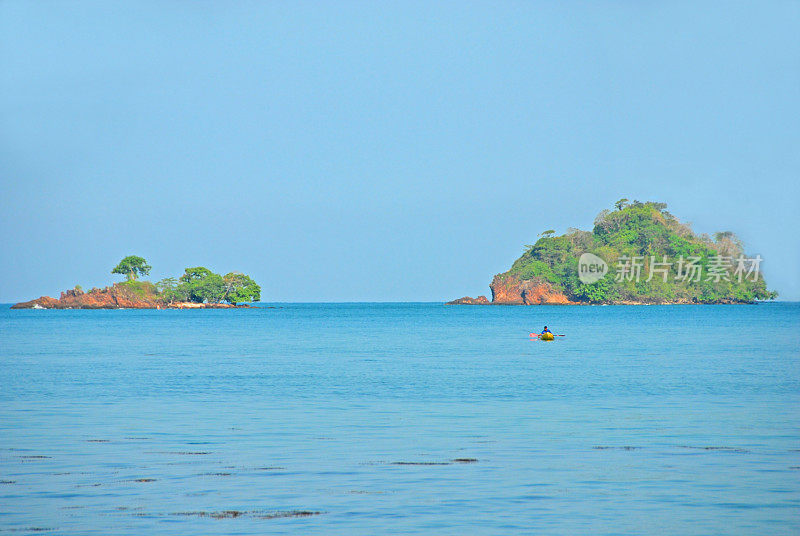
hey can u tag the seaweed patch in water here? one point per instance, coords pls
(36, 457)
(465, 460)
(420, 463)
(720, 449)
(259, 514)
(183, 453)
(626, 447)
(290, 513)
(98, 441)
(8, 481)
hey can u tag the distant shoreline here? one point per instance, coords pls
(45, 303)
(466, 300)
(283, 304)
(117, 296)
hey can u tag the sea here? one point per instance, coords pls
(401, 418)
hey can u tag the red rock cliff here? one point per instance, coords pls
(117, 296)
(510, 290)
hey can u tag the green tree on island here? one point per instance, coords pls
(240, 288)
(202, 285)
(132, 267)
(168, 283)
(169, 289)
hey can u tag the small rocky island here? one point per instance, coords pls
(636, 254)
(197, 288)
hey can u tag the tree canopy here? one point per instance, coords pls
(198, 284)
(201, 285)
(132, 267)
(240, 288)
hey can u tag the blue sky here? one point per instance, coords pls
(402, 151)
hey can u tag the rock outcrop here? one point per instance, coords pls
(117, 296)
(466, 300)
(511, 290)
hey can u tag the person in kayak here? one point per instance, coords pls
(545, 335)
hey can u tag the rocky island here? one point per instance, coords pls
(197, 288)
(636, 254)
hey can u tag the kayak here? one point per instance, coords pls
(546, 336)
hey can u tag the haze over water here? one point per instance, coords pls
(401, 419)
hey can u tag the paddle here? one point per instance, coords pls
(539, 335)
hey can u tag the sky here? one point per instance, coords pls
(371, 151)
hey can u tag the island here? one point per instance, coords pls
(636, 254)
(197, 288)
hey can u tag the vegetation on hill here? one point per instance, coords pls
(634, 240)
(196, 285)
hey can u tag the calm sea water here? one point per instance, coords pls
(347, 419)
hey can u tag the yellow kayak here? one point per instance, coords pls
(546, 336)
